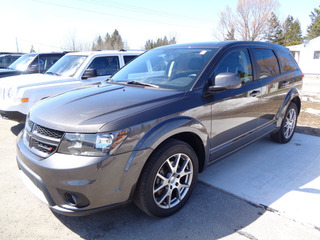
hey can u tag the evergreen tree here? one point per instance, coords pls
(274, 31)
(313, 30)
(98, 45)
(113, 42)
(107, 40)
(150, 44)
(32, 49)
(116, 42)
(292, 33)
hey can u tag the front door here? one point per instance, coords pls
(235, 112)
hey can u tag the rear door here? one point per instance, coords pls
(276, 76)
(234, 112)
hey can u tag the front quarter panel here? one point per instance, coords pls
(162, 131)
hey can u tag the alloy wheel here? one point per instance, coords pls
(290, 124)
(173, 181)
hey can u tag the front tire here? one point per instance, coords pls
(168, 179)
(288, 125)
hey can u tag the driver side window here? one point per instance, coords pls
(105, 65)
(236, 61)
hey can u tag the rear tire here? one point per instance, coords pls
(168, 179)
(288, 125)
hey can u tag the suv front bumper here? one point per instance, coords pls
(79, 185)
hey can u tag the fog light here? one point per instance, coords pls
(74, 199)
(71, 199)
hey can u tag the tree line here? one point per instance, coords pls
(255, 20)
(115, 42)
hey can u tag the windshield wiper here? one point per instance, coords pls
(142, 84)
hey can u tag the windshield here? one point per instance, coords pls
(67, 66)
(171, 68)
(23, 62)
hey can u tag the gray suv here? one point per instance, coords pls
(146, 133)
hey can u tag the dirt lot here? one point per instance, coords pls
(309, 119)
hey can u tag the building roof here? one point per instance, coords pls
(314, 43)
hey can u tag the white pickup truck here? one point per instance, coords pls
(19, 93)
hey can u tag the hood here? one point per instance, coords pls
(8, 72)
(29, 80)
(87, 110)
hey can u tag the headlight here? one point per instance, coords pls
(101, 144)
(11, 93)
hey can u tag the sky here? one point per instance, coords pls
(48, 24)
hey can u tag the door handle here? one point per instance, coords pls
(255, 93)
(285, 84)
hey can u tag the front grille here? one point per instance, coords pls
(48, 132)
(43, 147)
(41, 140)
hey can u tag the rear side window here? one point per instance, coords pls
(286, 61)
(267, 62)
(105, 65)
(128, 59)
(236, 61)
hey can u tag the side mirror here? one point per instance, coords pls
(225, 81)
(89, 73)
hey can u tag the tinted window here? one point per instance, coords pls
(286, 61)
(6, 60)
(128, 59)
(105, 65)
(267, 62)
(236, 61)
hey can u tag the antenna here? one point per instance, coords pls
(17, 44)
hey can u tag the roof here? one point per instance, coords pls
(46, 53)
(11, 53)
(312, 43)
(222, 44)
(105, 52)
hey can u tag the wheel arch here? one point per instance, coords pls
(292, 96)
(185, 129)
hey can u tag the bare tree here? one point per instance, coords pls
(72, 44)
(250, 21)
(226, 26)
